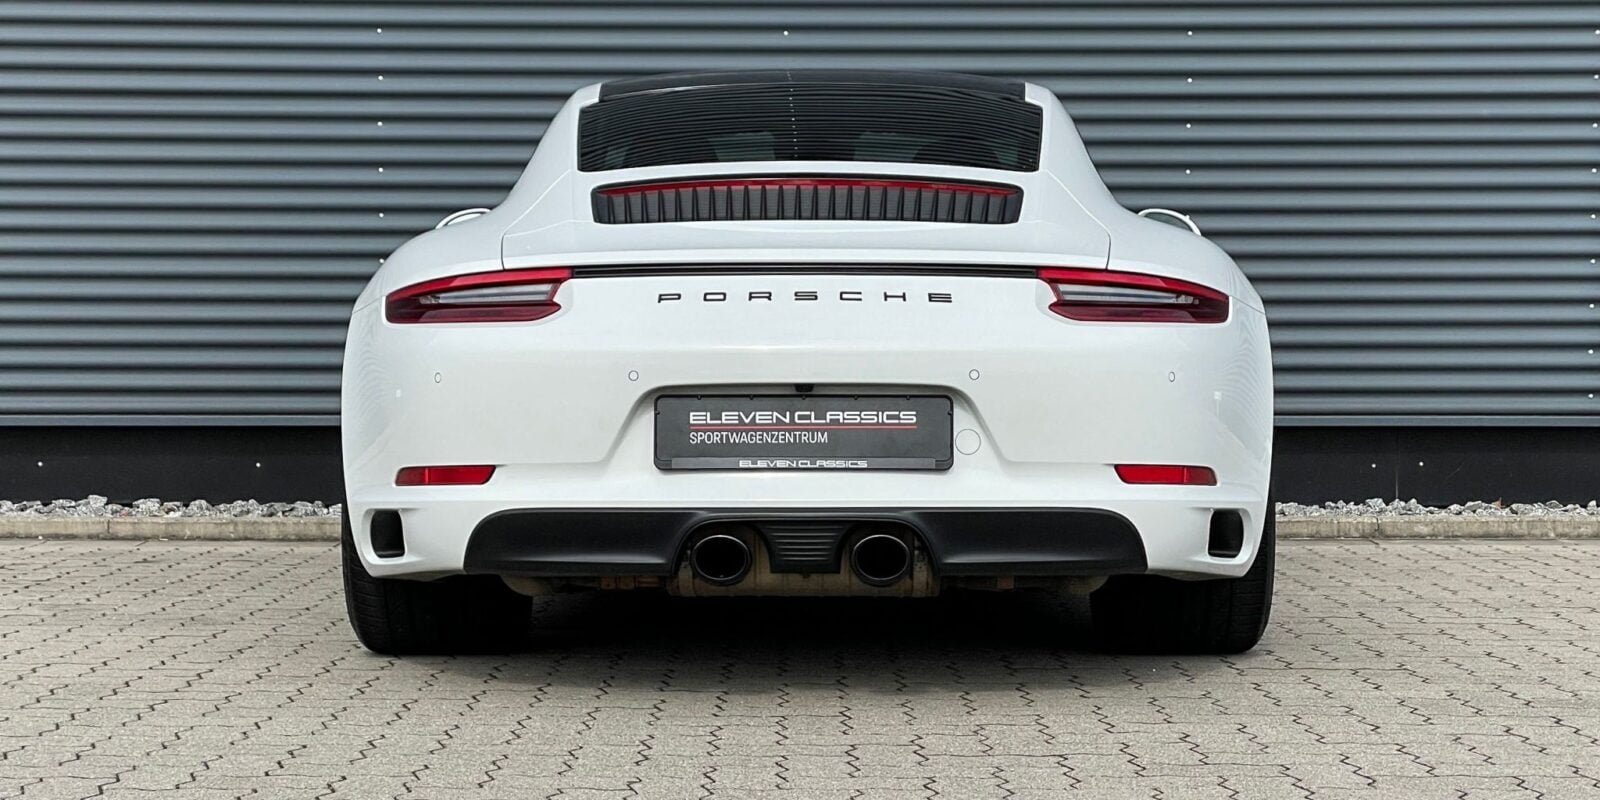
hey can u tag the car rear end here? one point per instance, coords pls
(888, 359)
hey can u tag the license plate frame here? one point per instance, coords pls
(804, 432)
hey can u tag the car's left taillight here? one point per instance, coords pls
(518, 295)
(475, 475)
(1098, 295)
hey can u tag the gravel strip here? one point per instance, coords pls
(1411, 508)
(97, 506)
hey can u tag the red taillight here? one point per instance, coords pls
(517, 295)
(1171, 474)
(1095, 295)
(444, 476)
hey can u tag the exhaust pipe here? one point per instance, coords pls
(720, 559)
(880, 559)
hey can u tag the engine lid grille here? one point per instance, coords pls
(808, 198)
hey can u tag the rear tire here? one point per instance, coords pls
(1154, 614)
(458, 614)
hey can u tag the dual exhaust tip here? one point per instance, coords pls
(877, 559)
(720, 559)
(880, 559)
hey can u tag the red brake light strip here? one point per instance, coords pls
(1167, 474)
(475, 475)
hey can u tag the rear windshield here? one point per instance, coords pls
(811, 122)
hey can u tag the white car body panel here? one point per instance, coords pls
(563, 406)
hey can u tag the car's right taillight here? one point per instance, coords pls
(1097, 295)
(516, 295)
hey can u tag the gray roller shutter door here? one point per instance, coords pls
(192, 192)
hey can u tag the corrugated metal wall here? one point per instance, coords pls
(191, 192)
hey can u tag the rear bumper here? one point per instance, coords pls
(960, 541)
(1110, 531)
(1042, 408)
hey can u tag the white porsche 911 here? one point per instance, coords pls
(808, 333)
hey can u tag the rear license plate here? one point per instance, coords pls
(803, 432)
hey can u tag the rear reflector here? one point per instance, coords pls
(444, 476)
(516, 295)
(1097, 295)
(818, 198)
(1169, 474)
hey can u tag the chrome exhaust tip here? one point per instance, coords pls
(720, 559)
(880, 559)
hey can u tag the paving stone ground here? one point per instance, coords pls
(1392, 670)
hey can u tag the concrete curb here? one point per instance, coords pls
(259, 529)
(326, 529)
(1439, 526)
